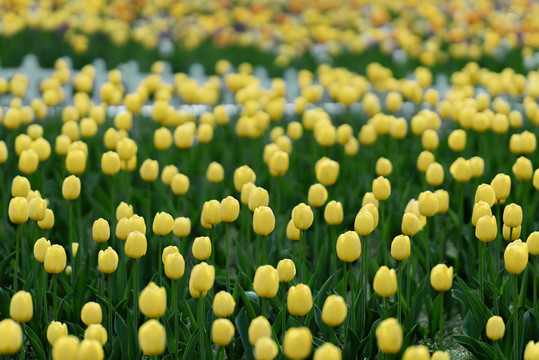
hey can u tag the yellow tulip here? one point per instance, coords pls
(300, 300)
(90, 349)
(516, 257)
(297, 343)
(21, 308)
(107, 260)
(55, 259)
(286, 269)
(317, 195)
(303, 217)
(333, 213)
(495, 328)
(348, 247)
(56, 330)
(202, 277)
(222, 332)
(71, 187)
(100, 231)
(266, 349)
(152, 338)
(136, 245)
(91, 313)
(385, 282)
(441, 277)
(223, 304)
(259, 328)
(512, 215)
(153, 301)
(162, 224)
(182, 227)
(419, 352)
(96, 332)
(230, 209)
(263, 221)
(266, 281)
(334, 311)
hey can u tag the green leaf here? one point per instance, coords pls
(192, 344)
(122, 338)
(242, 323)
(478, 348)
(34, 341)
(251, 312)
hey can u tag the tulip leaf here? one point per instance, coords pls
(4, 303)
(327, 331)
(321, 294)
(242, 323)
(471, 327)
(122, 336)
(34, 341)
(478, 348)
(481, 312)
(192, 344)
(247, 302)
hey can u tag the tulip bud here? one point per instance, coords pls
(3, 151)
(90, 350)
(385, 282)
(110, 163)
(263, 221)
(287, 270)
(441, 277)
(381, 188)
(457, 140)
(485, 193)
(152, 338)
(389, 336)
(400, 247)
(40, 248)
(480, 209)
(182, 227)
(215, 172)
(21, 308)
(243, 175)
(153, 301)
(532, 351)
(419, 352)
(435, 174)
(126, 148)
(136, 223)
(101, 231)
(334, 311)
(327, 171)
(442, 197)
(162, 224)
(266, 349)
(68, 344)
(428, 204)
(373, 210)
(266, 281)
(328, 351)
(96, 332)
(512, 215)
(168, 173)
(55, 259)
(222, 332)
(149, 170)
(48, 221)
(71, 187)
(91, 313)
(124, 211)
(202, 248)
(258, 197)
(18, 210)
(486, 228)
(523, 169)
(364, 223)
(20, 186)
(516, 257)
(430, 140)
(461, 170)
(502, 186)
(76, 162)
(533, 243)
(440, 355)
(292, 232)
(333, 213)
(11, 335)
(211, 212)
(317, 195)
(230, 209)
(174, 266)
(56, 330)
(495, 328)
(136, 245)
(37, 208)
(303, 217)
(348, 247)
(278, 163)
(202, 277)
(297, 343)
(259, 328)
(223, 304)
(28, 161)
(300, 300)
(424, 159)
(477, 166)
(410, 224)
(121, 229)
(107, 260)
(383, 167)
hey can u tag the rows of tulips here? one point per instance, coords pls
(267, 234)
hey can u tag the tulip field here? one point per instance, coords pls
(269, 180)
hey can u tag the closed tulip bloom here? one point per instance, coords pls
(461, 170)
(100, 230)
(110, 163)
(495, 328)
(440, 355)
(477, 166)
(266, 281)
(266, 349)
(523, 169)
(485, 193)
(168, 173)
(303, 217)
(317, 195)
(202, 248)
(136, 245)
(11, 337)
(364, 223)
(149, 170)
(223, 304)
(121, 229)
(381, 188)
(222, 332)
(516, 257)
(457, 140)
(74, 248)
(419, 352)
(442, 197)
(243, 175)
(20, 186)
(153, 301)
(480, 209)
(383, 167)
(107, 260)
(279, 163)
(66, 348)
(299, 300)
(259, 328)
(76, 162)
(136, 223)
(28, 161)
(230, 209)
(512, 215)
(182, 227)
(373, 210)
(71, 187)
(441, 277)
(409, 224)
(55, 259)
(56, 330)
(258, 197)
(536, 179)
(328, 351)
(126, 148)
(428, 204)
(385, 282)
(435, 174)
(424, 159)
(514, 233)
(152, 338)
(162, 223)
(174, 266)
(91, 313)
(389, 336)
(297, 343)
(21, 308)
(502, 186)
(40, 248)
(48, 221)
(179, 184)
(246, 193)
(18, 210)
(211, 212)
(215, 172)
(333, 213)
(263, 221)
(486, 228)
(37, 208)
(3, 152)
(327, 171)
(124, 210)
(533, 243)
(286, 269)
(90, 349)
(400, 247)
(532, 351)
(202, 277)
(334, 311)
(292, 232)
(171, 249)
(348, 246)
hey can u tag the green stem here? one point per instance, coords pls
(303, 255)
(101, 285)
(264, 258)
(515, 316)
(535, 284)
(159, 262)
(365, 265)
(174, 289)
(427, 255)
(498, 239)
(21, 353)
(441, 340)
(213, 250)
(135, 292)
(17, 251)
(333, 253)
(54, 292)
(409, 281)
(481, 271)
(111, 195)
(71, 243)
(110, 311)
(200, 315)
(227, 260)
(345, 282)
(399, 291)
(492, 279)
(219, 354)
(352, 294)
(283, 311)
(264, 307)
(44, 289)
